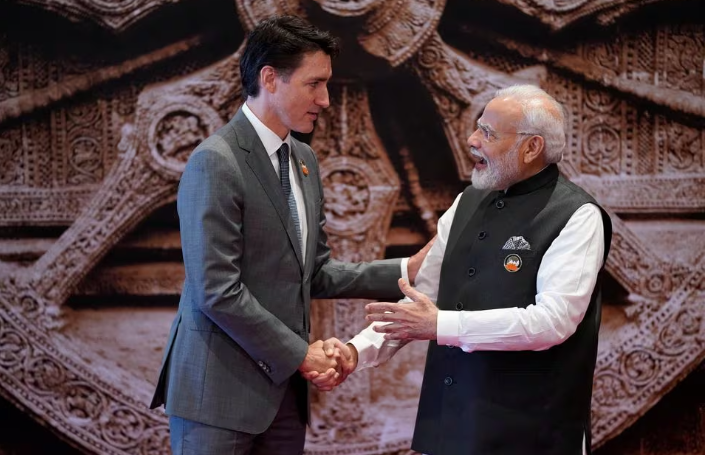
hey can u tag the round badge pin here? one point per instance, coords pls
(512, 263)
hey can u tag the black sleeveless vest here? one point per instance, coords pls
(508, 402)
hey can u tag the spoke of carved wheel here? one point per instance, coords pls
(130, 191)
(561, 14)
(680, 193)
(679, 101)
(419, 200)
(649, 360)
(75, 85)
(251, 12)
(114, 16)
(171, 120)
(631, 262)
(361, 188)
(460, 89)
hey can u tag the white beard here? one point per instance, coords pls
(499, 174)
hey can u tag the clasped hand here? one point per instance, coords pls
(328, 363)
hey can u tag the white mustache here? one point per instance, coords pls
(474, 151)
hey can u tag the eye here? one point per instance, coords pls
(485, 132)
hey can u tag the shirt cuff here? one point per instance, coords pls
(366, 354)
(405, 269)
(448, 328)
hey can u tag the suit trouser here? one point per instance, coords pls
(285, 436)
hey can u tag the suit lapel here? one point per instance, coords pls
(309, 199)
(258, 160)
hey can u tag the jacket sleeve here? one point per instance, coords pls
(210, 207)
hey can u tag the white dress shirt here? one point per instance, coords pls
(564, 283)
(272, 143)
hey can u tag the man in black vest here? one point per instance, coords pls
(514, 274)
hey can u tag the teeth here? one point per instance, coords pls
(474, 152)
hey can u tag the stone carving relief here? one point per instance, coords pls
(115, 15)
(561, 13)
(361, 189)
(251, 12)
(101, 164)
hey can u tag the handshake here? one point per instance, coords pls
(328, 363)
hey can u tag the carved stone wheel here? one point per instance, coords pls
(92, 151)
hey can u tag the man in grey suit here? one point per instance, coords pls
(250, 206)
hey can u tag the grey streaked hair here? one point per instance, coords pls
(543, 116)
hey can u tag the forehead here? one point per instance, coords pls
(501, 114)
(314, 65)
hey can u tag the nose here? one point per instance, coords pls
(322, 99)
(474, 139)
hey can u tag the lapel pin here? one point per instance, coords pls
(512, 263)
(304, 169)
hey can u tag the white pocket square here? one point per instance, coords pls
(516, 242)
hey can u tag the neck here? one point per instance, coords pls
(266, 114)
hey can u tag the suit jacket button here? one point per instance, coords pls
(448, 381)
(459, 306)
(482, 235)
(471, 271)
(499, 204)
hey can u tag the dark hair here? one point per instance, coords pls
(281, 42)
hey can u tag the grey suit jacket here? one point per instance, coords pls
(242, 327)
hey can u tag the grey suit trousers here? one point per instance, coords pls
(285, 436)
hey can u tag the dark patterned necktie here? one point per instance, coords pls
(283, 153)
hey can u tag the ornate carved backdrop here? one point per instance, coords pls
(99, 114)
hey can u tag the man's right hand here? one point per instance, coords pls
(317, 360)
(346, 357)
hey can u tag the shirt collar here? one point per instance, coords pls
(269, 138)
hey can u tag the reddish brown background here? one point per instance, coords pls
(101, 103)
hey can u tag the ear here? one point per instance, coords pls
(534, 149)
(268, 79)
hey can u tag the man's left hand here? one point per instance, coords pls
(415, 320)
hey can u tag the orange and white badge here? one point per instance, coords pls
(512, 263)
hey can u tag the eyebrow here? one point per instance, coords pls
(485, 126)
